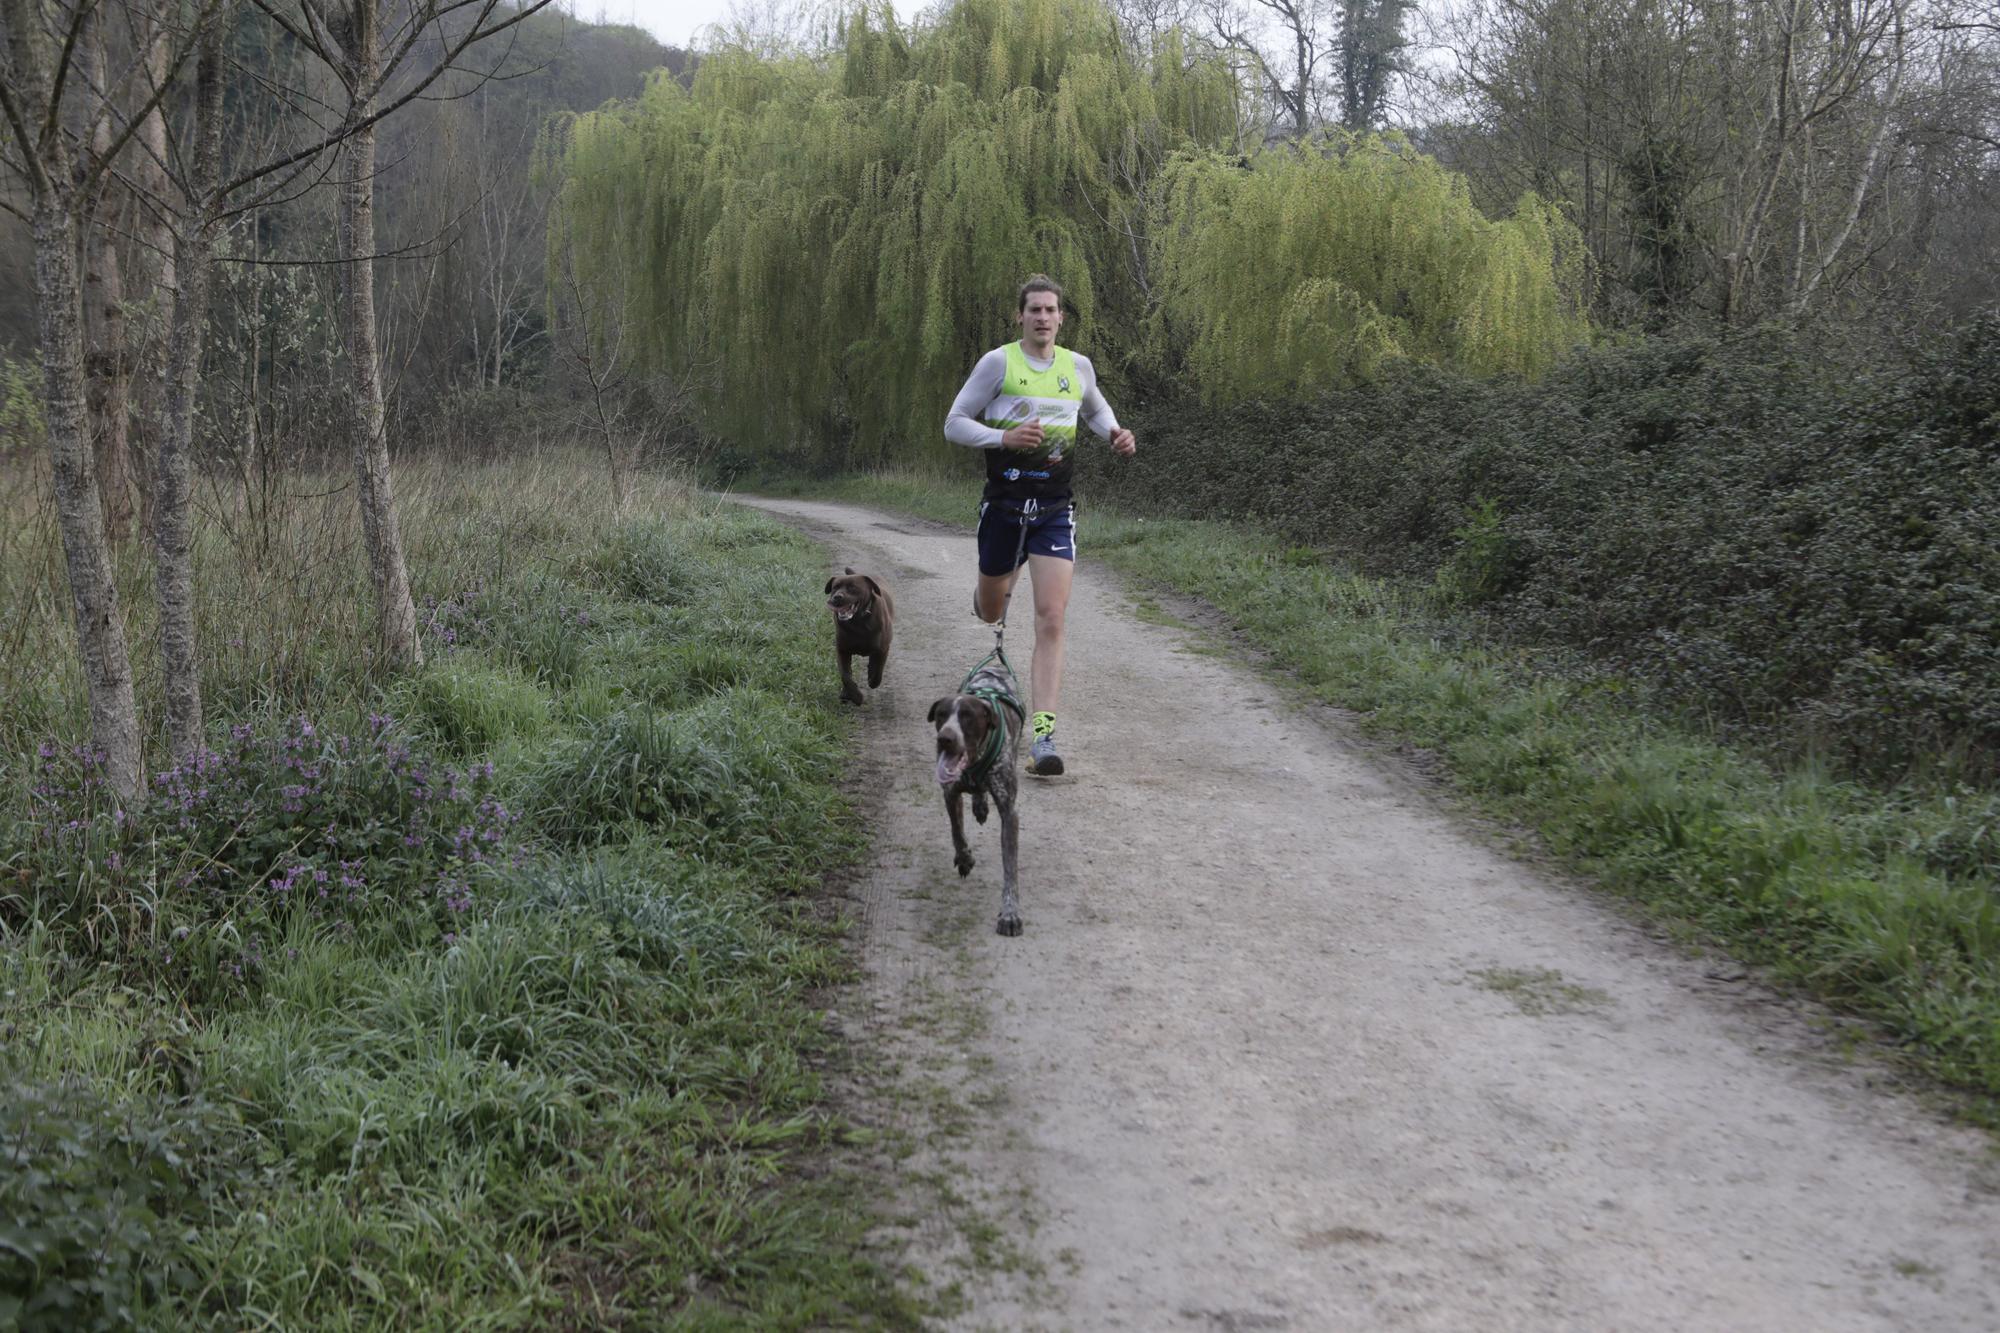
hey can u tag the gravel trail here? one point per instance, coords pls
(1288, 1044)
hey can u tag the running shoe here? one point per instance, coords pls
(1043, 761)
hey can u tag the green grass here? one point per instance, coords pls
(592, 1099)
(1881, 900)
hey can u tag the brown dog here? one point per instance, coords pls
(864, 619)
(979, 753)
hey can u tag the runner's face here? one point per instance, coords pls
(1039, 319)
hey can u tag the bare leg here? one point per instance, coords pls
(1052, 576)
(993, 592)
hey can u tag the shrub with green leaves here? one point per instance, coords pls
(95, 1198)
(1801, 550)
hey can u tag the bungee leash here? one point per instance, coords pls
(1003, 702)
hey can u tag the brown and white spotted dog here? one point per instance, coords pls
(979, 751)
(864, 620)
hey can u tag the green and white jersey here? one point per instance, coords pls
(1007, 389)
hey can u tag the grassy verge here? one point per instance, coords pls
(478, 997)
(1881, 900)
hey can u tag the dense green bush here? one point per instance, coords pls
(93, 1199)
(1807, 551)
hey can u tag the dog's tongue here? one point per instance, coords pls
(949, 766)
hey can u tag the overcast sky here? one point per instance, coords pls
(676, 22)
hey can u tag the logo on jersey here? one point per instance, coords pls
(1062, 383)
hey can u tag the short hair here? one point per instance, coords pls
(1038, 282)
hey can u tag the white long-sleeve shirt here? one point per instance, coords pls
(966, 423)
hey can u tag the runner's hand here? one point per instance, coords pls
(1022, 437)
(1124, 443)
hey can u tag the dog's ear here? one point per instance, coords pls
(873, 586)
(829, 588)
(939, 709)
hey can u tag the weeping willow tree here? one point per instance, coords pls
(1294, 272)
(831, 243)
(822, 246)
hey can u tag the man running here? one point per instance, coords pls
(1021, 405)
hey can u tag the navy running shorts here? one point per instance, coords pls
(1051, 531)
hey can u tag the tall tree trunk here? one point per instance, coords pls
(154, 253)
(396, 612)
(109, 383)
(499, 332)
(100, 630)
(1741, 263)
(173, 486)
(1864, 181)
(1302, 62)
(173, 483)
(107, 362)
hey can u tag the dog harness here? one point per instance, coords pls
(1002, 702)
(993, 690)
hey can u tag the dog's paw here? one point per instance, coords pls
(850, 693)
(1010, 924)
(964, 863)
(979, 806)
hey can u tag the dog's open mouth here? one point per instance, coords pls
(844, 612)
(950, 768)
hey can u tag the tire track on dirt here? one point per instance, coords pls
(1288, 1046)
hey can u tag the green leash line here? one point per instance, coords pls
(1002, 702)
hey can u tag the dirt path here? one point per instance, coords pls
(1288, 1046)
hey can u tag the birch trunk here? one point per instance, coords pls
(154, 254)
(173, 480)
(1742, 262)
(107, 362)
(173, 485)
(396, 612)
(1865, 180)
(100, 629)
(109, 383)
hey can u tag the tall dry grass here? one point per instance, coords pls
(285, 608)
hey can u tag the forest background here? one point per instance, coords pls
(1711, 243)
